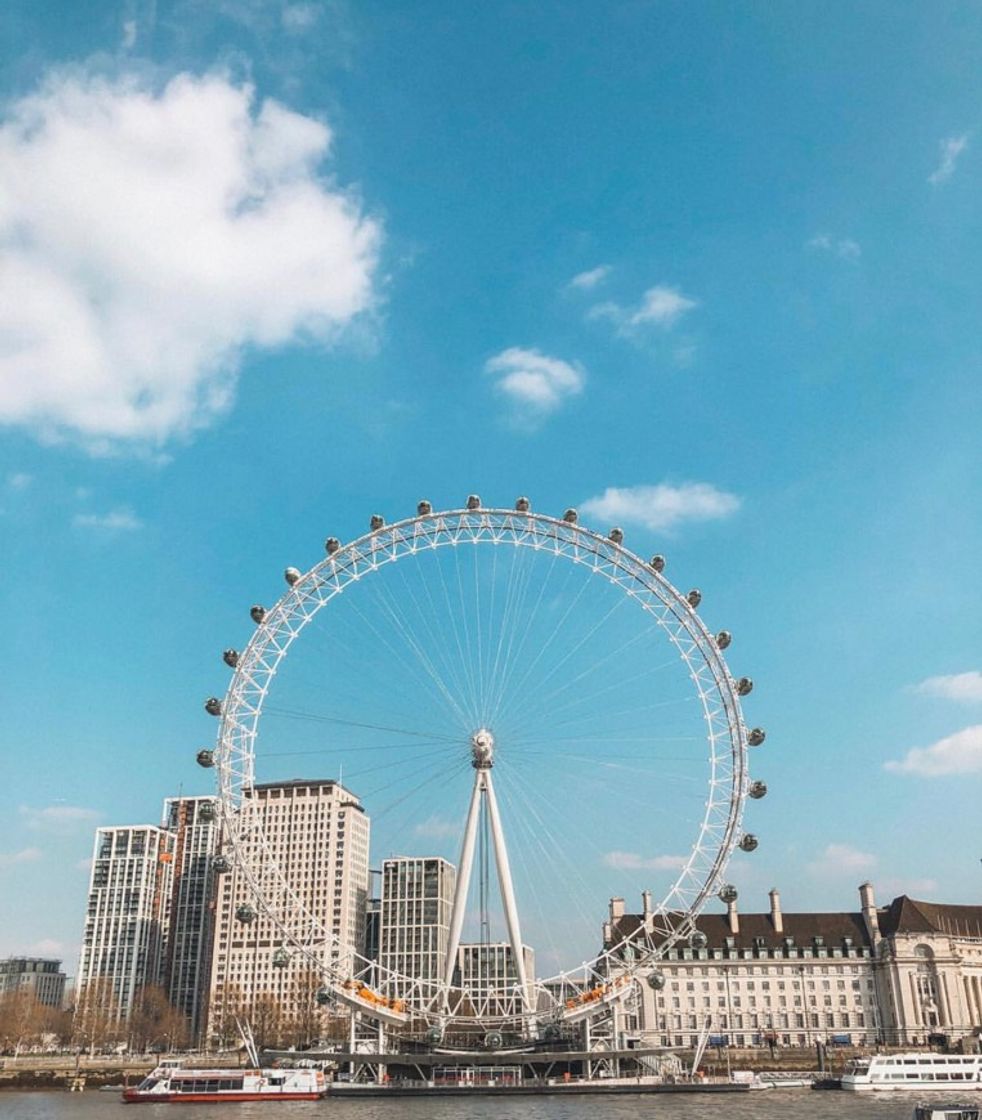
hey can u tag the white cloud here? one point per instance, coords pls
(19, 481)
(964, 687)
(129, 34)
(297, 18)
(437, 827)
(46, 947)
(960, 753)
(837, 858)
(117, 520)
(843, 247)
(149, 239)
(58, 818)
(951, 149)
(532, 379)
(891, 886)
(632, 861)
(661, 306)
(662, 506)
(25, 855)
(584, 281)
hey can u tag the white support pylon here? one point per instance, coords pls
(482, 751)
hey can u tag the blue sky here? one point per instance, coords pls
(710, 273)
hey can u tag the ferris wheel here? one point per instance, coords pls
(526, 694)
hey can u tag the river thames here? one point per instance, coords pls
(775, 1104)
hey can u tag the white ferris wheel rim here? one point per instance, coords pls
(234, 757)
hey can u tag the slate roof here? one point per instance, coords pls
(757, 930)
(908, 915)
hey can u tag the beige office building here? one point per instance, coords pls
(414, 927)
(318, 836)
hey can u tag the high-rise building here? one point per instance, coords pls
(42, 978)
(317, 833)
(123, 944)
(487, 971)
(414, 930)
(193, 823)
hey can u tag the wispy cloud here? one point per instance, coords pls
(437, 827)
(632, 861)
(25, 855)
(299, 18)
(838, 858)
(533, 381)
(46, 947)
(892, 885)
(19, 480)
(585, 281)
(117, 520)
(951, 148)
(661, 306)
(58, 818)
(966, 688)
(843, 247)
(149, 238)
(661, 507)
(960, 753)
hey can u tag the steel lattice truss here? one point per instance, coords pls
(589, 990)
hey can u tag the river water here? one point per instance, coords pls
(774, 1104)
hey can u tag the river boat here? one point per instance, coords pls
(167, 1085)
(917, 1071)
(947, 1112)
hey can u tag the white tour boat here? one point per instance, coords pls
(167, 1085)
(947, 1112)
(920, 1071)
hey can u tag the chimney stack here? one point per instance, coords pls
(868, 903)
(646, 909)
(732, 917)
(777, 918)
(616, 909)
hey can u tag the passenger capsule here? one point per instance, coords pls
(658, 563)
(756, 736)
(656, 980)
(570, 516)
(617, 536)
(292, 576)
(434, 1035)
(728, 893)
(424, 508)
(523, 505)
(231, 658)
(213, 706)
(281, 958)
(493, 1040)
(551, 1032)
(745, 686)
(220, 865)
(322, 996)
(207, 811)
(748, 842)
(698, 940)
(757, 790)
(331, 545)
(245, 913)
(258, 614)
(376, 522)
(723, 639)
(694, 598)
(206, 759)
(473, 501)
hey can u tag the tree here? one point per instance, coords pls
(154, 1023)
(307, 1024)
(267, 1021)
(20, 1020)
(97, 1021)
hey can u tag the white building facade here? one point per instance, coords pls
(414, 925)
(124, 939)
(318, 836)
(900, 975)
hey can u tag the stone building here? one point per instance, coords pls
(877, 975)
(41, 977)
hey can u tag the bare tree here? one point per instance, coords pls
(20, 1020)
(97, 1021)
(155, 1023)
